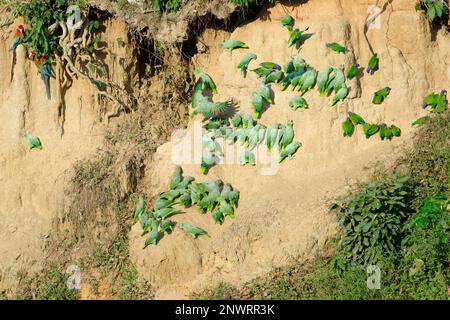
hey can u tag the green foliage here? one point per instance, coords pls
(246, 3)
(39, 15)
(372, 219)
(130, 287)
(435, 9)
(49, 284)
(166, 5)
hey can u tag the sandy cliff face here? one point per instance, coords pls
(32, 183)
(285, 214)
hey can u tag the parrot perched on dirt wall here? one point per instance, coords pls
(14, 44)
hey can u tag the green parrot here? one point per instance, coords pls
(236, 121)
(192, 230)
(140, 209)
(275, 76)
(420, 121)
(214, 124)
(289, 150)
(290, 77)
(272, 135)
(352, 71)
(32, 141)
(286, 135)
(232, 44)
(226, 209)
(298, 102)
(257, 105)
(380, 95)
(166, 226)
(384, 132)
(396, 132)
(217, 216)
(339, 96)
(322, 80)
(336, 47)
(166, 213)
(266, 92)
(247, 121)
(348, 127)
(287, 21)
(176, 178)
(162, 203)
(373, 63)
(295, 36)
(337, 80)
(230, 195)
(171, 194)
(356, 119)
(262, 72)
(205, 80)
(153, 235)
(243, 64)
(270, 65)
(210, 109)
(370, 129)
(247, 157)
(308, 79)
(295, 63)
(185, 199)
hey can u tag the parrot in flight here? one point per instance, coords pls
(295, 36)
(352, 71)
(208, 108)
(373, 63)
(232, 44)
(336, 47)
(32, 141)
(380, 95)
(15, 43)
(243, 64)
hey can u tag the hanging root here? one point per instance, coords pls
(67, 70)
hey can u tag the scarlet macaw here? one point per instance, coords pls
(15, 43)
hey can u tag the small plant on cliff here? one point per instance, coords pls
(435, 9)
(166, 5)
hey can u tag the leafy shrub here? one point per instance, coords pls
(246, 3)
(372, 219)
(166, 5)
(435, 9)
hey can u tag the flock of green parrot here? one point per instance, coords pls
(214, 197)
